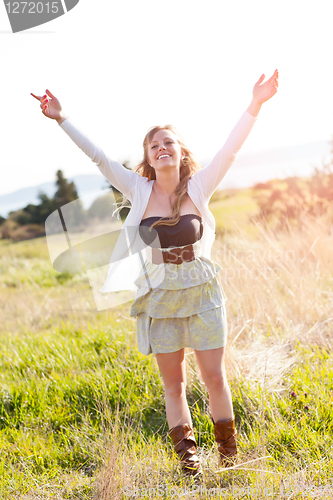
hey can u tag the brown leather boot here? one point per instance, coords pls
(226, 438)
(185, 446)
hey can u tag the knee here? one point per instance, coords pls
(215, 382)
(175, 389)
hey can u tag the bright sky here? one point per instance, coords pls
(119, 67)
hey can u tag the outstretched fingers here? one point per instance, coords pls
(38, 97)
(274, 76)
(42, 99)
(49, 93)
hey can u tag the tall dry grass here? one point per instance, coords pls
(280, 291)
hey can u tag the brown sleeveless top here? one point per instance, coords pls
(187, 231)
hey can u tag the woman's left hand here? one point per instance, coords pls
(264, 91)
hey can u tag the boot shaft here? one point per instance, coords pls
(185, 446)
(226, 438)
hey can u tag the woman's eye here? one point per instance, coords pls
(153, 147)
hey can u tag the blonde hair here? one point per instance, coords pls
(188, 166)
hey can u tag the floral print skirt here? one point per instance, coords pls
(180, 306)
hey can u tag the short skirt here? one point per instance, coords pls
(179, 306)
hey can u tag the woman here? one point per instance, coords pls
(179, 302)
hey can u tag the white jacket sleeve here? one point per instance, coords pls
(120, 177)
(211, 176)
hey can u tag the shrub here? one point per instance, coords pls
(289, 200)
(7, 227)
(27, 232)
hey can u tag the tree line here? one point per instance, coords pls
(29, 221)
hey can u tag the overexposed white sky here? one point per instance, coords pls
(119, 67)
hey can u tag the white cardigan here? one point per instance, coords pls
(124, 265)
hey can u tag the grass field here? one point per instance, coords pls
(82, 411)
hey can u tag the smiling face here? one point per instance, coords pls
(164, 151)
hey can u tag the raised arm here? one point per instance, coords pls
(211, 176)
(120, 177)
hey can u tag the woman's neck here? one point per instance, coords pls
(166, 187)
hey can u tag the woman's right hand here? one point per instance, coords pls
(51, 107)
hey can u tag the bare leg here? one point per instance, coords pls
(211, 364)
(172, 368)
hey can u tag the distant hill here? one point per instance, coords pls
(260, 166)
(85, 184)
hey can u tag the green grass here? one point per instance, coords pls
(64, 390)
(232, 210)
(55, 385)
